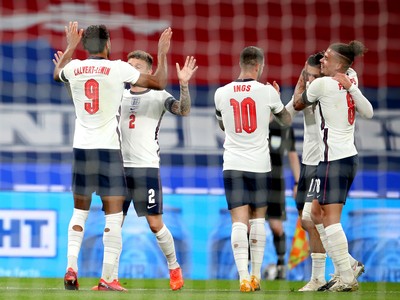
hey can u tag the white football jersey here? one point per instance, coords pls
(96, 86)
(244, 106)
(141, 115)
(311, 153)
(335, 115)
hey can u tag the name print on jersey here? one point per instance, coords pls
(92, 70)
(241, 88)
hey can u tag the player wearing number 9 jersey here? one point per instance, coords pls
(338, 98)
(243, 109)
(96, 85)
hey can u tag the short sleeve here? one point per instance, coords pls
(128, 73)
(276, 103)
(315, 90)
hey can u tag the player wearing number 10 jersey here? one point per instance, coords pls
(243, 109)
(96, 85)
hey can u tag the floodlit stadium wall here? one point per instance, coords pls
(37, 123)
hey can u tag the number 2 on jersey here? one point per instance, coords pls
(244, 114)
(92, 92)
(132, 119)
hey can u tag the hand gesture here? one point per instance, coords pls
(57, 57)
(187, 70)
(73, 35)
(165, 41)
(343, 79)
(276, 86)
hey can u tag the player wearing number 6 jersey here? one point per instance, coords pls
(96, 85)
(141, 114)
(338, 98)
(243, 109)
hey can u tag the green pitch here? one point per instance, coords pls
(53, 289)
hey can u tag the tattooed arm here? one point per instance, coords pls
(182, 107)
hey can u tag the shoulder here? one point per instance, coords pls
(72, 64)
(319, 84)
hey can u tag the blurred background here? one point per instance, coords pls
(37, 123)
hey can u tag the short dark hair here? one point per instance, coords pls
(347, 52)
(251, 56)
(95, 38)
(139, 54)
(314, 60)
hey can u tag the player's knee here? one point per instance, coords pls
(155, 227)
(155, 223)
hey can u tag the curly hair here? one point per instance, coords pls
(95, 38)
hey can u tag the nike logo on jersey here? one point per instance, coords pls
(310, 195)
(151, 206)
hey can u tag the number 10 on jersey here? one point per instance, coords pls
(245, 115)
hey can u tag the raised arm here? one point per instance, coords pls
(56, 59)
(74, 36)
(363, 106)
(158, 81)
(182, 107)
(299, 101)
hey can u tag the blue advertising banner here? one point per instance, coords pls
(33, 238)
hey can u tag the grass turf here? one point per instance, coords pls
(53, 289)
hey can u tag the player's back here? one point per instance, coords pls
(245, 108)
(336, 116)
(311, 151)
(96, 88)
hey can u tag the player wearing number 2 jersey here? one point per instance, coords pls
(338, 99)
(141, 113)
(243, 109)
(96, 85)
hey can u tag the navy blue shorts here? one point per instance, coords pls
(305, 188)
(98, 170)
(145, 190)
(245, 188)
(335, 179)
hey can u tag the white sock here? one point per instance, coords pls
(166, 243)
(75, 238)
(257, 239)
(240, 249)
(322, 236)
(318, 266)
(116, 266)
(352, 260)
(324, 241)
(339, 251)
(112, 240)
